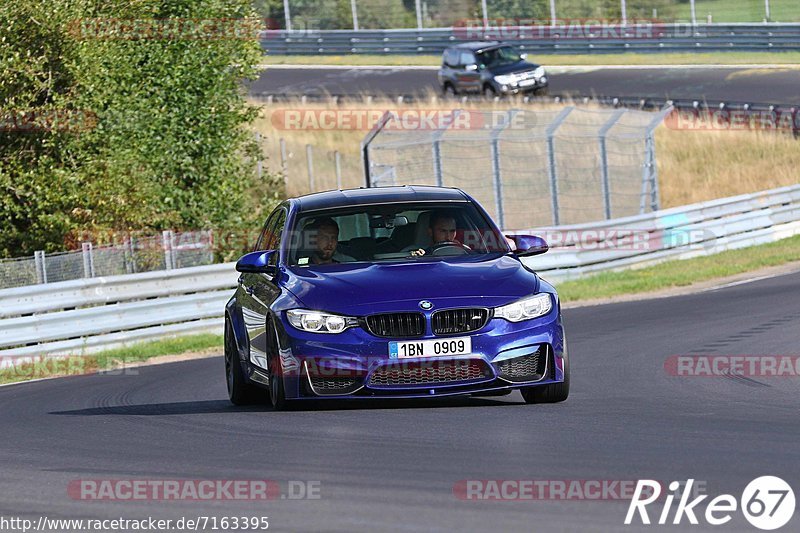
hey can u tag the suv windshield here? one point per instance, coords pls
(394, 232)
(505, 55)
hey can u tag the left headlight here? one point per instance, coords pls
(539, 72)
(319, 322)
(526, 308)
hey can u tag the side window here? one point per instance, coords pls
(277, 232)
(451, 57)
(266, 233)
(466, 58)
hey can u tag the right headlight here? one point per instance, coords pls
(539, 72)
(319, 322)
(526, 308)
(505, 79)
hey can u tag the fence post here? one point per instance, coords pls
(419, 13)
(766, 10)
(284, 164)
(649, 168)
(88, 260)
(694, 13)
(485, 13)
(354, 10)
(437, 150)
(259, 162)
(41, 266)
(166, 243)
(337, 159)
(553, 19)
(605, 181)
(624, 9)
(132, 250)
(287, 15)
(497, 181)
(551, 160)
(310, 163)
(365, 144)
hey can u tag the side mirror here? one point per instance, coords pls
(257, 262)
(528, 245)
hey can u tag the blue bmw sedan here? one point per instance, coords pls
(391, 292)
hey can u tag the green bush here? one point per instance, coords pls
(164, 141)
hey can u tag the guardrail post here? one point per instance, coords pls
(694, 12)
(497, 181)
(41, 266)
(337, 159)
(310, 163)
(551, 160)
(88, 260)
(418, 8)
(605, 181)
(166, 243)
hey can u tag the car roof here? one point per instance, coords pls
(477, 46)
(379, 195)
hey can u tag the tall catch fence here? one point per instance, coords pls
(528, 167)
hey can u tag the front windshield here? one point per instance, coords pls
(505, 55)
(394, 232)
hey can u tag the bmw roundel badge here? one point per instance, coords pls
(425, 304)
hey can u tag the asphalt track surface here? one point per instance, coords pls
(392, 466)
(730, 84)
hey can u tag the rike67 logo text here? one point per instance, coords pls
(767, 503)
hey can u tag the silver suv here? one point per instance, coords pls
(491, 68)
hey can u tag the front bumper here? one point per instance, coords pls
(518, 88)
(356, 364)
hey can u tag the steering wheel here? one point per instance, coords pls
(449, 248)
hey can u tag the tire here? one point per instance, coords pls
(449, 91)
(240, 392)
(489, 93)
(552, 393)
(277, 390)
(544, 91)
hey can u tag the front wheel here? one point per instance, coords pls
(277, 390)
(449, 91)
(552, 393)
(489, 93)
(240, 392)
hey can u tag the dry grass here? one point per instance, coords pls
(693, 165)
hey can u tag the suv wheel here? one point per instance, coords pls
(489, 93)
(449, 91)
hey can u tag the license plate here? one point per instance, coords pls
(527, 83)
(430, 348)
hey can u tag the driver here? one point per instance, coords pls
(442, 231)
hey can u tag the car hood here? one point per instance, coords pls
(513, 68)
(365, 288)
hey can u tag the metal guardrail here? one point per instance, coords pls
(542, 39)
(677, 233)
(81, 316)
(86, 315)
